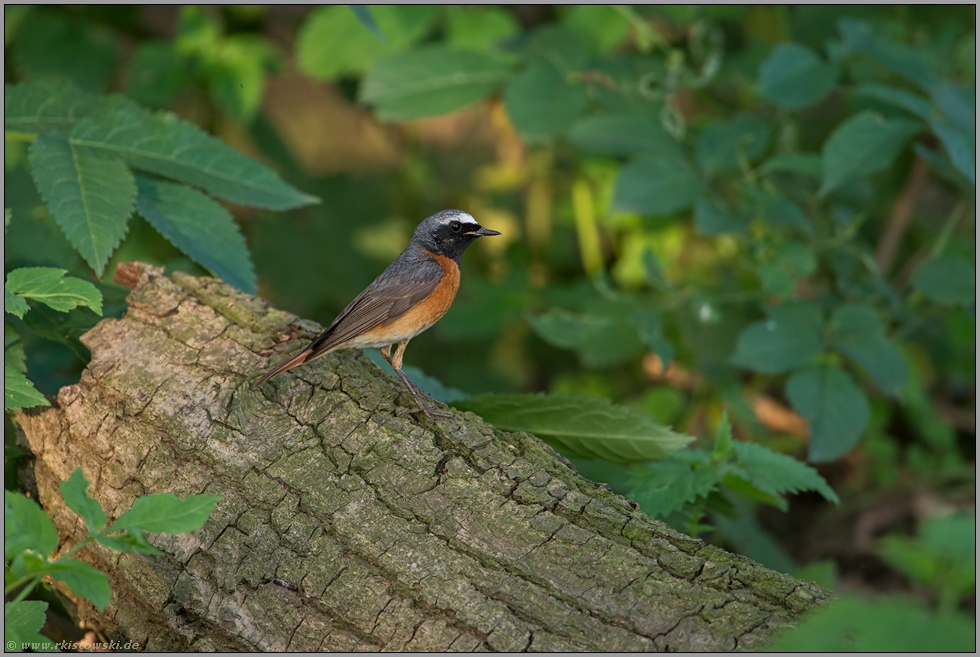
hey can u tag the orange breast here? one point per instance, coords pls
(425, 313)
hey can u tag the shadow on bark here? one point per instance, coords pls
(343, 526)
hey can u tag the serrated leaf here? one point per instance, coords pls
(21, 621)
(13, 349)
(794, 77)
(860, 334)
(657, 184)
(541, 103)
(835, 407)
(864, 144)
(75, 491)
(334, 42)
(775, 473)
(790, 337)
(664, 487)
(166, 513)
(199, 227)
(430, 81)
(14, 304)
(622, 134)
(947, 279)
(52, 288)
(83, 579)
(91, 198)
(132, 540)
(26, 527)
(721, 144)
(600, 341)
(19, 392)
(580, 426)
(161, 143)
(41, 106)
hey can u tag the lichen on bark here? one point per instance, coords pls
(344, 526)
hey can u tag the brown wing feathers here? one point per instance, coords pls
(405, 283)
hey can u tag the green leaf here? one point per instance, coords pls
(14, 304)
(835, 407)
(723, 440)
(198, 226)
(26, 527)
(83, 579)
(50, 287)
(602, 26)
(580, 426)
(806, 164)
(775, 473)
(364, 15)
(664, 487)
(430, 81)
(166, 513)
(541, 103)
(19, 392)
(906, 100)
(947, 279)
(333, 42)
(858, 624)
(790, 337)
(476, 27)
(132, 540)
(911, 63)
(41, 106)
(710, 218)
(157, 73)
(784, 213)
(657, 184)
(13, 349)
(859, 333)
(558, 46)
(961, 146)
(722, 145)
(56, 44)
(600, 341)
(75, 491)
(91, 198)
(864, 144)
(622, 134)
(167, 146)
(794, 77)
(21, 621)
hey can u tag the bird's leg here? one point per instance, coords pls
(396, 364)
(410, 386)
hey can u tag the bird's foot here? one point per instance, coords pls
(421, 393)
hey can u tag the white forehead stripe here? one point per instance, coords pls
(461, 217)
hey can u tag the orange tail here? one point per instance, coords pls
(288, 365)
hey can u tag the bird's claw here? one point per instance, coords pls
(425, 395)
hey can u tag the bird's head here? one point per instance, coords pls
(448, 233)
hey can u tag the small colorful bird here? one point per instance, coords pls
(407, 298)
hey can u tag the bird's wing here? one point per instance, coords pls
(391, 295)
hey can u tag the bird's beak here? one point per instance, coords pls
(483, 232)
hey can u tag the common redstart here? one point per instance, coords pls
(407, 298)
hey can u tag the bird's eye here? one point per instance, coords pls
(456, 226)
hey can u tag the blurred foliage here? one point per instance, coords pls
(764, 210)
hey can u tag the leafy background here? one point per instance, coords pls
(755, 225)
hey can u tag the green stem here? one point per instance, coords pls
(943, 239)
(27, 589)
(19, 136)
(75, 548)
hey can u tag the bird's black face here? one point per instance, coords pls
(449, 232)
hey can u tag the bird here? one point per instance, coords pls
(411, 295)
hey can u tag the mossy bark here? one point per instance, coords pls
(344, 526)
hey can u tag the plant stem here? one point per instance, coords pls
(27, 589)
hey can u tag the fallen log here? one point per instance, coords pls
(344, 526)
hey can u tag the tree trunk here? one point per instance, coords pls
(344, 526)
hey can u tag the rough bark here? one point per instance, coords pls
(344, 526)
